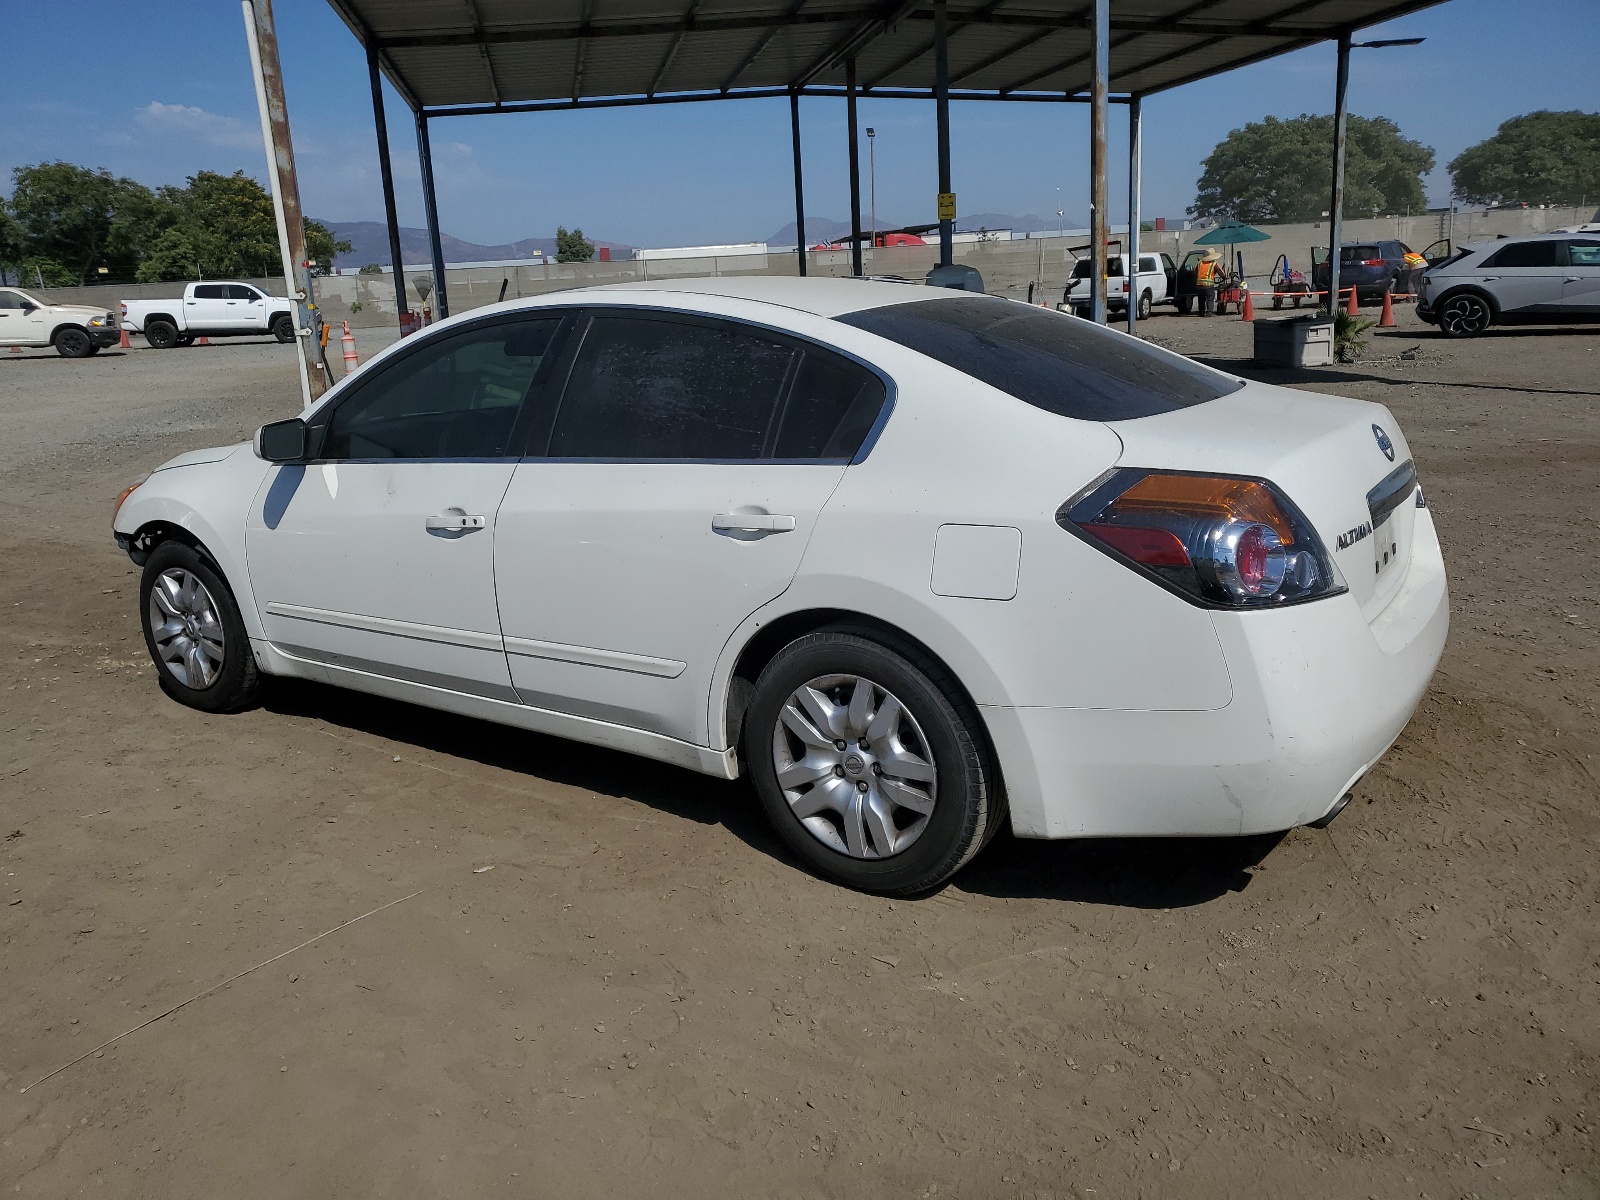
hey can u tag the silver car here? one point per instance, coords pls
(1551, 279)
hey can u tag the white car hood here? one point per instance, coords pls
(194, 458)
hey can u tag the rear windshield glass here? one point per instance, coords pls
(1358, 253)
(1080, 269)
(1064, 365)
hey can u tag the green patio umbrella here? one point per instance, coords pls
(1232, 233)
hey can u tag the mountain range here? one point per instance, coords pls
(369, 240)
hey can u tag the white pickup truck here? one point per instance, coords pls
(75, 330)
(210, 310)
(1156, 279)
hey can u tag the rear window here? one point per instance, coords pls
(1357, 253)
(1064, 365)
(1080, 269)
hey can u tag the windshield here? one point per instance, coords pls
(1062, 364)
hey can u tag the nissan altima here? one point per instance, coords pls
(920, 563)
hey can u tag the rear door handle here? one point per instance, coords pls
(752, 523)
(453, 521)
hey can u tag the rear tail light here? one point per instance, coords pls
(1219, 540)
(1374, 262)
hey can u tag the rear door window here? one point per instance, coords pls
(1585, 253)
(211, 291)
(1524, 254)
(658, 387)
(1062, 364)
(831, 407)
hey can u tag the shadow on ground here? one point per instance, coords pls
(1124, 872)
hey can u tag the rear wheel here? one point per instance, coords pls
(161, 334)
(869, 763)
(1145, 304)
(73, 343)
(1464, 315)
(1277, 301)
(283, 328)
(194, 632)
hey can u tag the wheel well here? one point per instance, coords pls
(62, 328)
(1459, 289)
(161, 316)
(152, 533)
(769, 640)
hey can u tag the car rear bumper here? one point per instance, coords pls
(1319, 695)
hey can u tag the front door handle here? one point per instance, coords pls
(453, 521)
(752, 523)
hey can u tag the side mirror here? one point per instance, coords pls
(282, 441)
(28, 307)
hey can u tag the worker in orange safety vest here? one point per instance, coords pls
(1207, 278)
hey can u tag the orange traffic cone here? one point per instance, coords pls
(202, 341)
(1386, 321)
(125, 343)
(348, 342)
(1248, 312)
(16, 349)
(1351, 306)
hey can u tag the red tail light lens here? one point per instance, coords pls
(1374, 262)
(1222, 541)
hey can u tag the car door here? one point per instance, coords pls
(685, 467)
(379, 554)
(247, 309)
(1525, 278)
(1580, 284)
(22, 320)
(205, 308)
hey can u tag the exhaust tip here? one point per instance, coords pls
(1327, 818)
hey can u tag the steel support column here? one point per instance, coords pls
(430, 205)
(1336, 203)
(1130, 260)
(387, 174)
(941, 106)
(1099, 226)
(799, 183)
(855, 166)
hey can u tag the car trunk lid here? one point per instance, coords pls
(1344, 463)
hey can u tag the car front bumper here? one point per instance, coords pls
(103, 336)
(1319, 695)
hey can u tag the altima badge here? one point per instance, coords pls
(1384, 443)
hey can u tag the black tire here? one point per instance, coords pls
(967, 805)
(283, 327)
(161, 334)
(94, 348)
(1185, 305)
(1277, 302)
(1296, 302)
(1145, 305)
(186, 339)
(236, 680)
(73, 342)
(1465, 314)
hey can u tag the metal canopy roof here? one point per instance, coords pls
(447, 55)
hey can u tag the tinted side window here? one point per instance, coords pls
(830, 410)
(1064, 365)
(211, 291)
(238, 291)
(644, 387)
(1524, 254)
(1584, 253)
(455, 398)
(10, 300)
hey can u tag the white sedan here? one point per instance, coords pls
(917, 561)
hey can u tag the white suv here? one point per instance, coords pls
(913, 559)
(1552, 279)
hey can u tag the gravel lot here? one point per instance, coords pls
(645, 996)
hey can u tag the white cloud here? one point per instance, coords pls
(207, 128)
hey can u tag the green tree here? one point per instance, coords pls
(322, 247)
(371, 269)
(573, 246)
(80, 219)
(1537, 158)
(1282, 171)
(10, 239)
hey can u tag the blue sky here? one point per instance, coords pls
(163, 90)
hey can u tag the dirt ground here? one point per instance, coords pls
(646, 996)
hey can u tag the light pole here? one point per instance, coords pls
(872, 179)
(1336, 208)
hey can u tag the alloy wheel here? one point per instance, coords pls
(1464, 316)
(186, 628)
(854, 766)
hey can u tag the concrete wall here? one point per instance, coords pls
(1007, 267)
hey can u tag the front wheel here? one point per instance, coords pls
(1145, 305)
(1464, 315)
(194, 632)
(283, 328)
(869, 763)
(73, 343)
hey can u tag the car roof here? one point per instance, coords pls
(826, 297)
(1484, 243)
